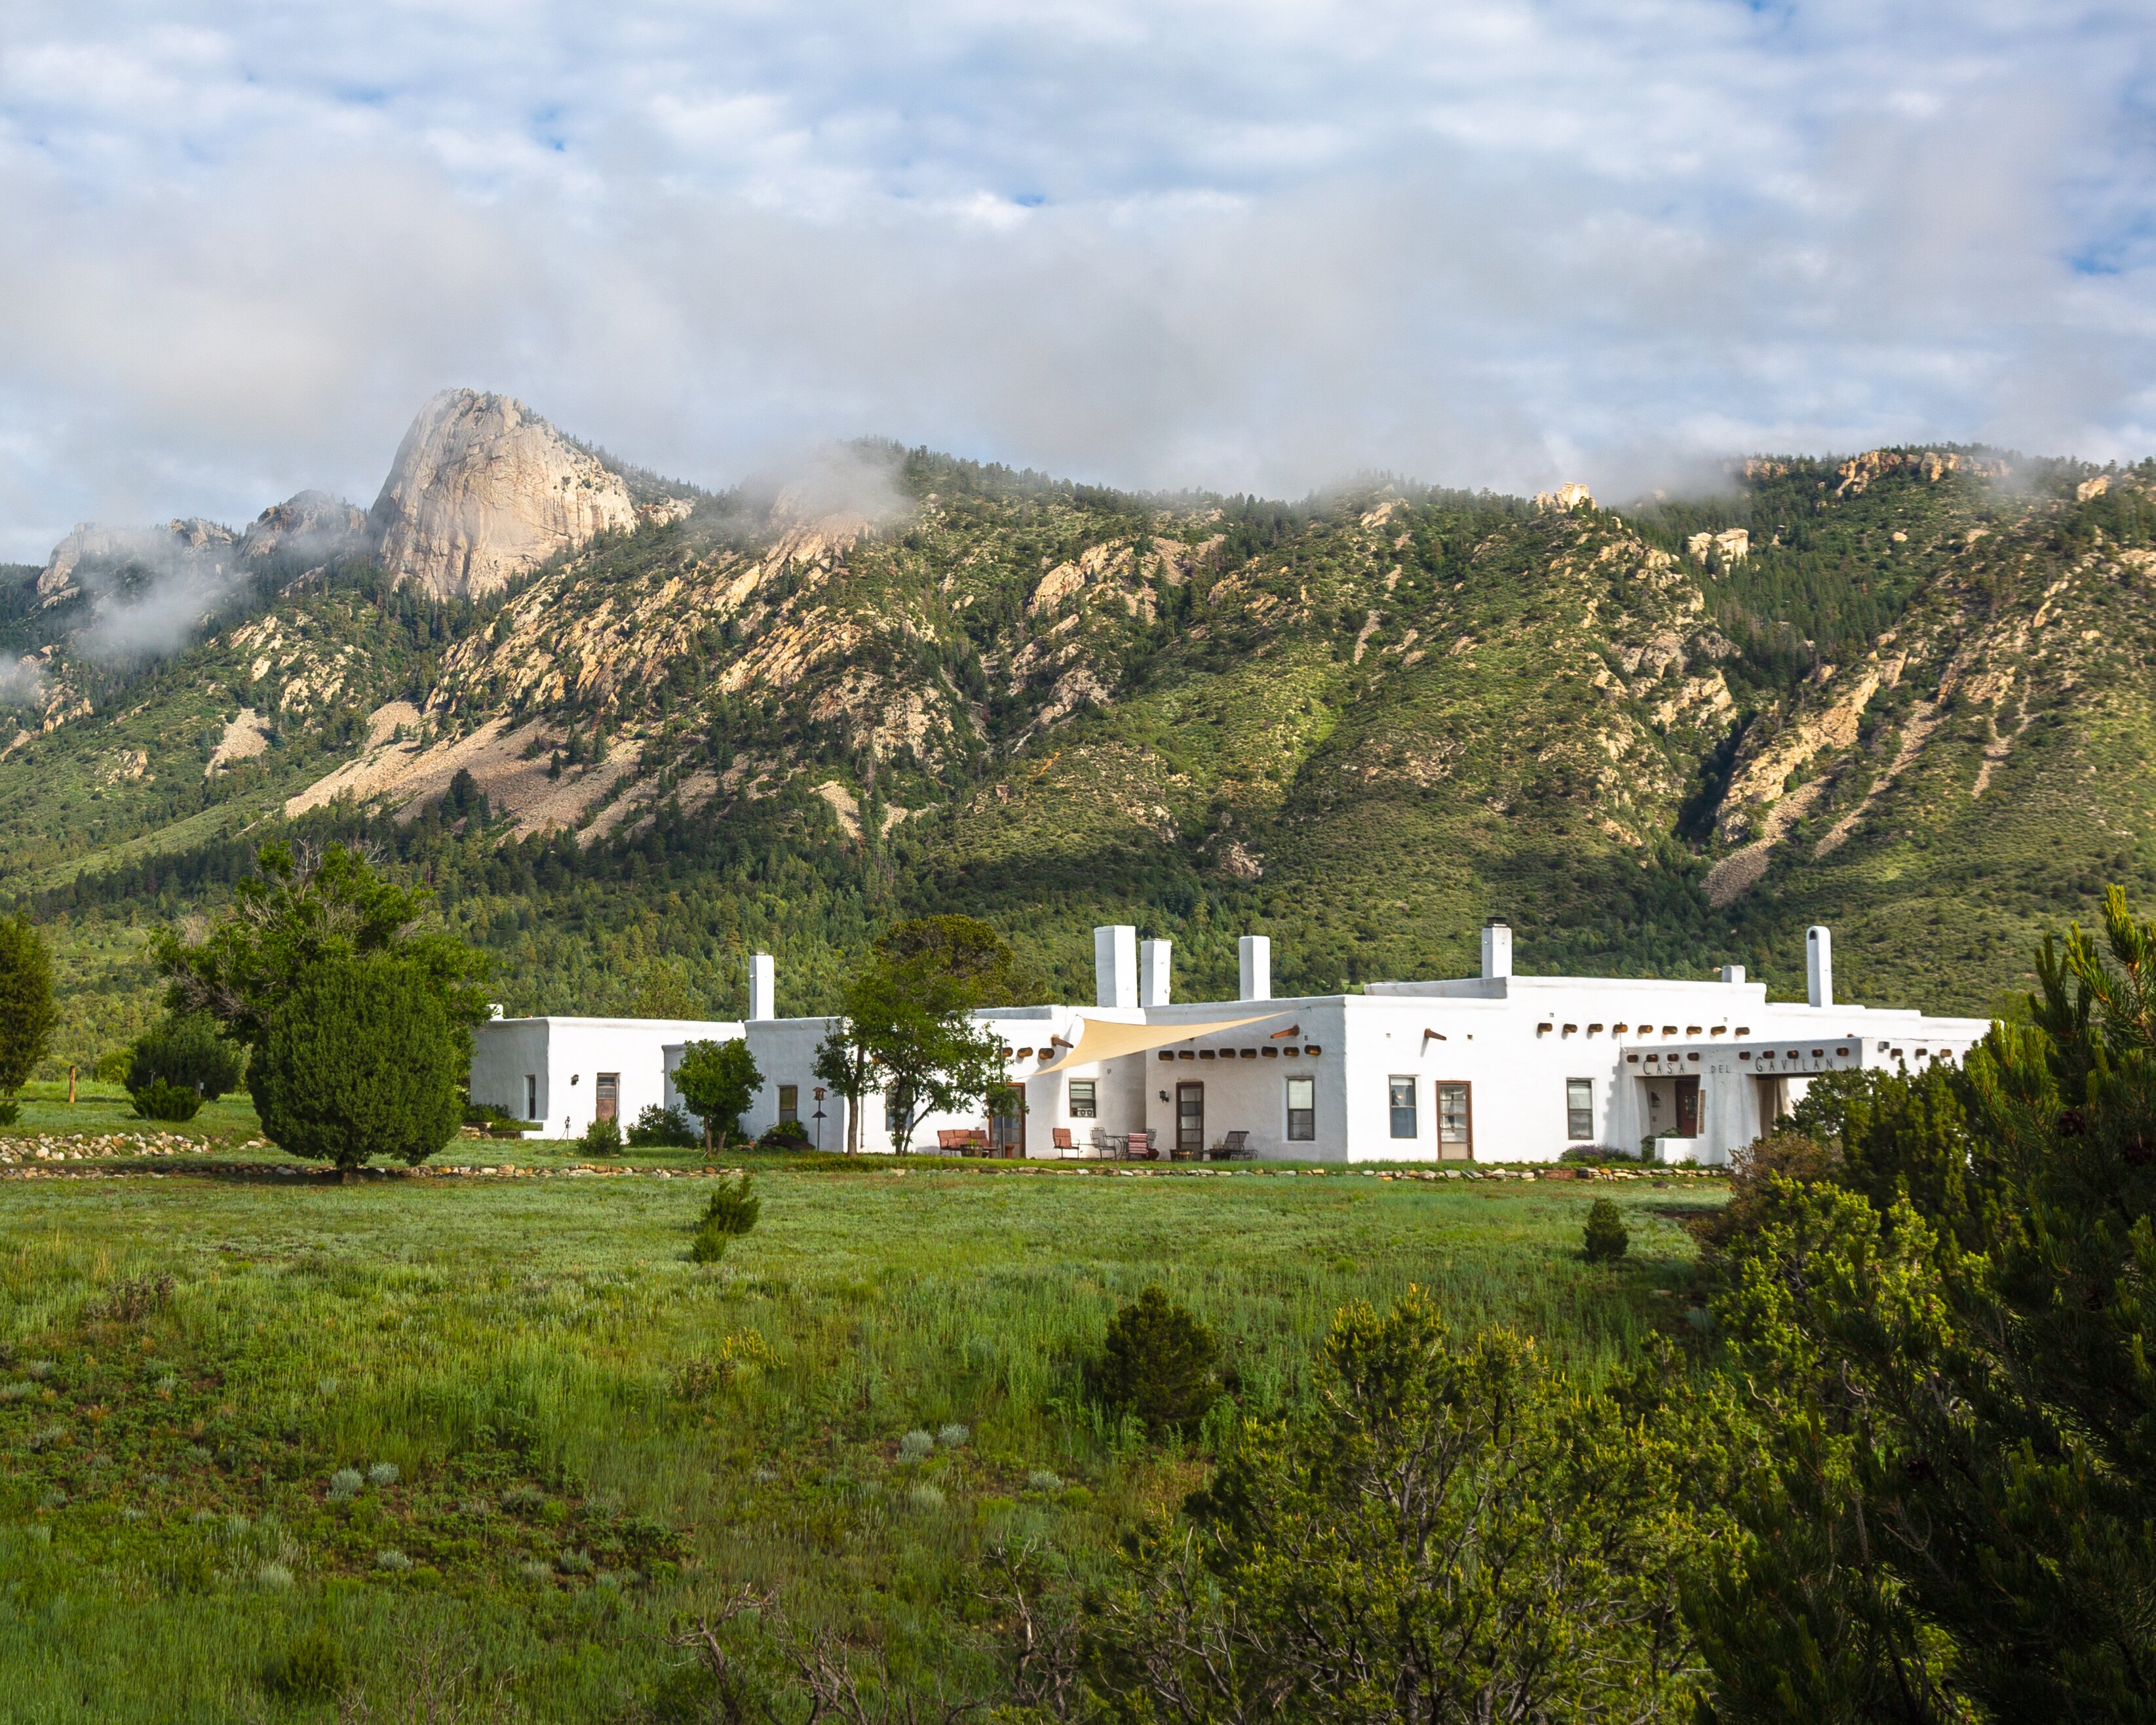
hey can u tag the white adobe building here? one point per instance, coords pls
(561, 1074)
(1491, 1068)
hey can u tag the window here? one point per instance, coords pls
(1456, 1122)
(1085, 1099)
(790, 1103)
(1301, 1110)
(1579, 1108)
(530, 1096)
(1403, 1093)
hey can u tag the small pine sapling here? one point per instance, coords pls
(732, 1210)
(1158, 1363)
(1606, 1241)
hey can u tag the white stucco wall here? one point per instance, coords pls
(562, 1059)
(1515, 1041)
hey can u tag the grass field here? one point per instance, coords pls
(566, 1437)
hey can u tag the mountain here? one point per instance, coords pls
(629, 731)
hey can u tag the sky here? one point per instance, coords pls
(1251, 247)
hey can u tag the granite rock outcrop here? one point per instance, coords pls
(483, 489)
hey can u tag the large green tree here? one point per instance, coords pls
(27, 1012)
(718, 1079)
(1946, 1353)
(323, 932)
(301, 905)
(360, 1059)
(906, 1026)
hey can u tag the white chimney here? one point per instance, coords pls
(1496, 948)
(763, 987)
(1253, 953)
(1733, 972)
(1819, 965)
(1115, 966)
(494, 1009)
(1152, 971)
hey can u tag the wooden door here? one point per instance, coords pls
(1190, 1119)
(609, 1096)
(1007, 1132)
(1687, 1107)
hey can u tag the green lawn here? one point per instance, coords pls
(592, 1436)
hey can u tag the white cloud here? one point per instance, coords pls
(1253, 247)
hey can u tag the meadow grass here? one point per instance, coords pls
(563, 1437)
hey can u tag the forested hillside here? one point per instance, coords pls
(1911, 698)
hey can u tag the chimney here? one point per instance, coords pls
(1152, 971)
(494, 1009)
(1819, 965)
(1254, 955)
(1733, 972)
(763, 987)
(1496, 948)
(1115, 966)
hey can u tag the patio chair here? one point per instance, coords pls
(1103, 1147)
(1142, 1147)
(1235, 1146)
(1058, 1137)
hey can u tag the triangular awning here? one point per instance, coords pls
(1103, 1040)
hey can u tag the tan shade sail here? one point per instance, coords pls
(1099, 1039)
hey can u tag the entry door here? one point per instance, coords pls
(609, 1095)
(1007, 1132)
(1687, 1107)
(1190, 1119)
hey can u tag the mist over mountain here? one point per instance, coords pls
(629, 729)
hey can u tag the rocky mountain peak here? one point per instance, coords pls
(308, 524)
(482, 490)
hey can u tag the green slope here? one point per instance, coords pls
(1360, 724)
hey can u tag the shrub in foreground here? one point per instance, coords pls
(1441, 1532)
(1156, 1364)
(185, 1052)
(659, 1128)
(732, 1207)
(601, 1137)
(787, 1136)
(171, 1102)
(359, 1059)
(1606, 1241)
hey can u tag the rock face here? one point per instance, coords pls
(174, 544)
(311, 525)
(483, 489)
(1574, 495)
(1734, 545)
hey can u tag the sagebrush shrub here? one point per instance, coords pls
(914, 1445)
(344, 1485)
(1156, 1364)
